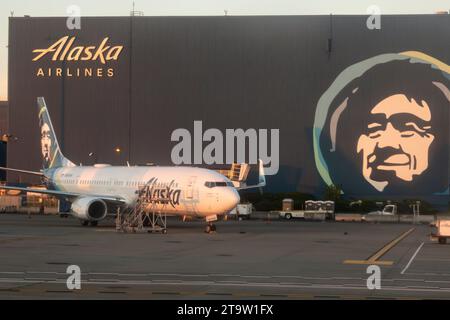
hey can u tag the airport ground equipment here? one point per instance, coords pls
(314, 210)
(390, 213)
(349, 217)
(441, 230)
(416, 211)
(388, 210)
(28, 203)
(145, 216)
(288, 204)
(238, 173)
(288, 215)
(242, 211)
(7, 202)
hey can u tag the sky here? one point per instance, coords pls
(51, 8)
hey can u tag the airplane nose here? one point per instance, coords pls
(233, 198)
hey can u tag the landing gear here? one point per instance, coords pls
(210, 227)
(94, 223)
(85, 223)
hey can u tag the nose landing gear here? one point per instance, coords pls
(210, 227)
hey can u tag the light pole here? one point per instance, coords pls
(93, 156)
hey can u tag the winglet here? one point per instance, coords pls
(261, 174)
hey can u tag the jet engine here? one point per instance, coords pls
(89, 208)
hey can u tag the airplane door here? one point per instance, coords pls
(190, 188)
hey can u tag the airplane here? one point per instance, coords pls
(94, 191)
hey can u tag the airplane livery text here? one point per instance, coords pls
(160, 192)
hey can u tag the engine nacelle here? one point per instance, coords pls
(89, 208)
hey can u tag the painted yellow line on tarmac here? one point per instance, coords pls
(369, 262)
(373, 259)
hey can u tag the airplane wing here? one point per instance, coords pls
(116, 200)
(22, 171)
(261, 179)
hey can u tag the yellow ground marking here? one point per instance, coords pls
(373, 259)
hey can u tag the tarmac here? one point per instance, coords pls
(249, 259)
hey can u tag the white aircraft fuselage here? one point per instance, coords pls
(184, 191)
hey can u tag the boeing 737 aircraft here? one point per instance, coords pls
(93, 191)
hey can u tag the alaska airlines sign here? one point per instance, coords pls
(161, 192)
(64, 50)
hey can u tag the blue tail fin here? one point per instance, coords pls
(51, 153)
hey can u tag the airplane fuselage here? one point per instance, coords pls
(184, 191)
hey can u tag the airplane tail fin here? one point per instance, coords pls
(52, 156)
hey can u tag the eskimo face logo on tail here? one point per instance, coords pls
(161, 192)
(384, 122)
(46, 145)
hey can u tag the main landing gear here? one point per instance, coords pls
(85, 223)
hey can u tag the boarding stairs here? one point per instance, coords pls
(147, 215)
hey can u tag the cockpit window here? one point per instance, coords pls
(212, 184)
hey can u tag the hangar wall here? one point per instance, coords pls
(4, 136)
(4, 117)
(261, 72)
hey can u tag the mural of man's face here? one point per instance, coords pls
(46, 142)
(396, 142)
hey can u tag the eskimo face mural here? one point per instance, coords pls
(397, 141)
(382, 126)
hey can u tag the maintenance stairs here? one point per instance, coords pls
(147, 215)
